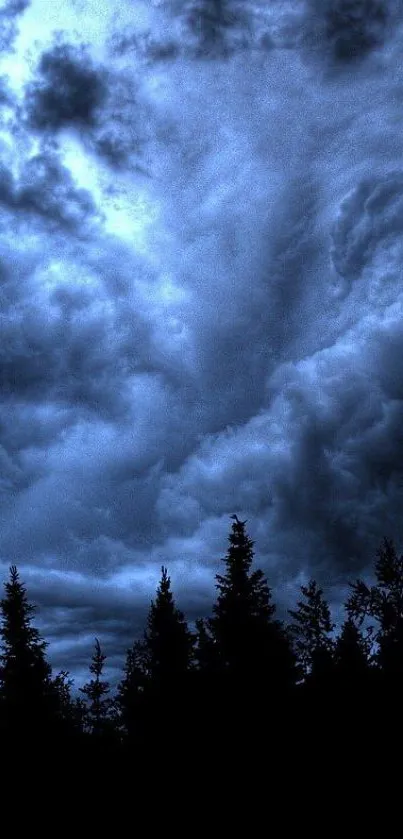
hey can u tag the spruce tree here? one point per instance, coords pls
(384, 603)
(311, 632)
(27, 696)
(353, 687)
(352, 655)
(168, 643)
(242, 639)
(99, 702)
(130, 695)
(67, 711)
(158, 669)
(207, 654)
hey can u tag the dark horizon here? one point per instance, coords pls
(114, 664)
(262, 699)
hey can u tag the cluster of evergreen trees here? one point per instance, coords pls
(243, 678)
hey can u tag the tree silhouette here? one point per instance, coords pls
(352, 653)
(384, 603)
(229, 691)
(168, 643)
(353, 671)
(311, 632)
(69, 711)
(157, 667)
(207, 653)
(97, 693)
(130, 693)
(242, 641)
(353, 687)
(28, 699)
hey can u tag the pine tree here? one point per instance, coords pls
(384, 603)
(311, 632)
(158, 669)
(353, 687)
(248, 644)
(207, 654)
(99, 702)
(169, 645)
(311, 635)
(62, 686)
(352, 655)
(26, 693)
(65, 709)
(130, 692)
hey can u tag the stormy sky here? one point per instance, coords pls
(201, 250)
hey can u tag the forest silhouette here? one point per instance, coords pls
(243, 685)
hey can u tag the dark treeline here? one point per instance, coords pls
(244, 683)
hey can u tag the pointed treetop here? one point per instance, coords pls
(383, 601)
(237, 520)
(312, 626)
(353, 650)
(25, 673)
(97, 694)
(17, 614)
(14, 575)
(241, 588)
(168, 643)
(242, 637)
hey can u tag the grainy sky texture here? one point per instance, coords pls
(201, 250)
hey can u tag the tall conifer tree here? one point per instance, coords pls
(384, 603)
(28, 699)
(311, 631)
(242, 639)
(97, 692)
(158, 668)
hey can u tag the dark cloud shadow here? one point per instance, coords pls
(68, 91)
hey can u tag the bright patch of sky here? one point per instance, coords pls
(127, 207)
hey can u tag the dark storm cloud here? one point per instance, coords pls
(71, 92)
(74, 348)
(76, 361)
(6, 185)
(9, 14)
(219, 27)
(368, 219)
(5, 94)
(199, 29)
(146, 46)
(124, 125)
(355, 27)
(248, 361)
(345, 31)
(68, 92)
(55, 344)
(46, 189)
(72, 611)
(314, 469)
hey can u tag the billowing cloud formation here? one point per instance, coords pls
(200, 307)
(219, 26)
(46, 191)
(354, 27)
(9, 14)
(69, 90)
(370, 218)
(70, 93)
